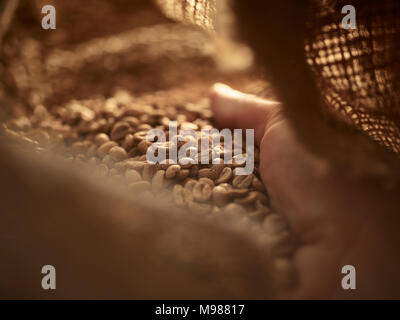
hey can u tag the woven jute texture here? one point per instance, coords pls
(199, 12)
(358, 70)
(353, 75)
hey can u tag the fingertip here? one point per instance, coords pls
(219, 94)
(221, 103)
(224, 91)
(219, 87)
(234, 109)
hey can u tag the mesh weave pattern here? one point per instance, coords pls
(199, 12)
(357, 71)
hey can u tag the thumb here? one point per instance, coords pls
(234, 109)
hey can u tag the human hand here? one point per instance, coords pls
(338, 219)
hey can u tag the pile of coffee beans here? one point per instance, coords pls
(111, 137)
(107, 137)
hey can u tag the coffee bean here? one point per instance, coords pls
(202, 192)
(225, 176)
(140, 186)
(158, 181)
(140, 136)
(261, 197)
(248, 200)
(188, 196)
(129, 142)
(181, 118)
(40, 113)
(238, 193)
(148, 171)
(190, 183)
(239, 160)
(186, 162)
(208, 181)
(165, 164)
(208, 173)
(193, 171)
(258, 185)
(220, 196)
(131, 164)
(118, 153)
(91, 151)
(183, 174)
(226, 186)
(218, 166)
(143, 146)
(105, 148)
(165, 121)
(108, 160)
(101, 170)
(242, 182)
(101, 138)
(149, 119)
(177, 193)
(132, 121)
(132, 176)
(120, 130)
(131, 111)
(172, 171)
(144, 127)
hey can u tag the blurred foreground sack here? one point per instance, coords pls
(103, 242)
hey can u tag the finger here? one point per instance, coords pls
(234, 109)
